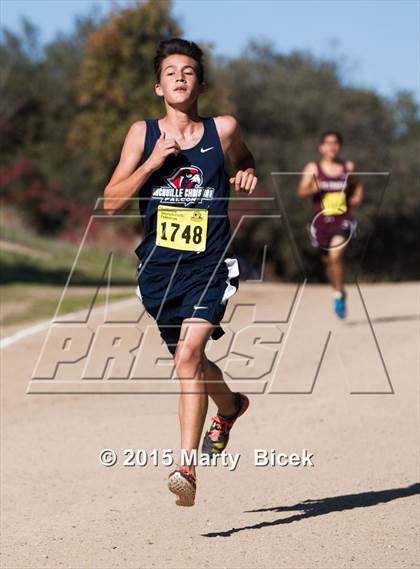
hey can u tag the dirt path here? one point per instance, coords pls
(357, 507)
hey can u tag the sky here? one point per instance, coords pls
(378, 39)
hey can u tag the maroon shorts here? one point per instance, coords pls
(324, 227)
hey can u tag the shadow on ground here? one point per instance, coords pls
(313, 508)
(383, 320)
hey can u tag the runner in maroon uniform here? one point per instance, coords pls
(334, 191)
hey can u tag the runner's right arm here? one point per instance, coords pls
(127, 179)
(307, 185)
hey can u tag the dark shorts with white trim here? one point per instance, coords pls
(200, 290)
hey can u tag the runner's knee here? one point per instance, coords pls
(188, 354)
(335, 256)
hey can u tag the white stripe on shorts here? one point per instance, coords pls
(138, 293)
(233, 271)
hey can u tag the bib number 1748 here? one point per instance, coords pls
(183, 229)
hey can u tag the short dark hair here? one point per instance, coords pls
(181, 47)
(337, 135)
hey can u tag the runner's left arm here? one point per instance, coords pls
(355, 186)
(238, 153)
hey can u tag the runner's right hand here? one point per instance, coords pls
(163, 148)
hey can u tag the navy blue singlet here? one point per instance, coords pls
(185, 270)
(196, 178)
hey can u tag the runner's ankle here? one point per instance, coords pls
(230, 412)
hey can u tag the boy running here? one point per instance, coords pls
(334, 191)
(185, 274)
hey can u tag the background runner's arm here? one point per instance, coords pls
(127, 179)
(307, 185)
(356, 187)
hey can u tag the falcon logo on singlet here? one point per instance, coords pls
(184, 187)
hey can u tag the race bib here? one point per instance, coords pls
(334, 203)
(182, 228)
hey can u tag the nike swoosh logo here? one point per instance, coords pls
(198, 307)
(206, 149)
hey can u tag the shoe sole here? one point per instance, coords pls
(177, 484)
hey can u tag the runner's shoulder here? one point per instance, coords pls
(135, 137)
(226, 125)
(310, 168)
(137, 128)
(349, 165)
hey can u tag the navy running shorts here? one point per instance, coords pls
(190, 291)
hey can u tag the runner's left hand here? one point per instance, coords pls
(244, 181)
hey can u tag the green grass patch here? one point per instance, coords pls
(26, 303)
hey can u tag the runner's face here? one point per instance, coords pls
(178, 80)
(330, 148)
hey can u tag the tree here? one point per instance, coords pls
(116, 82)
